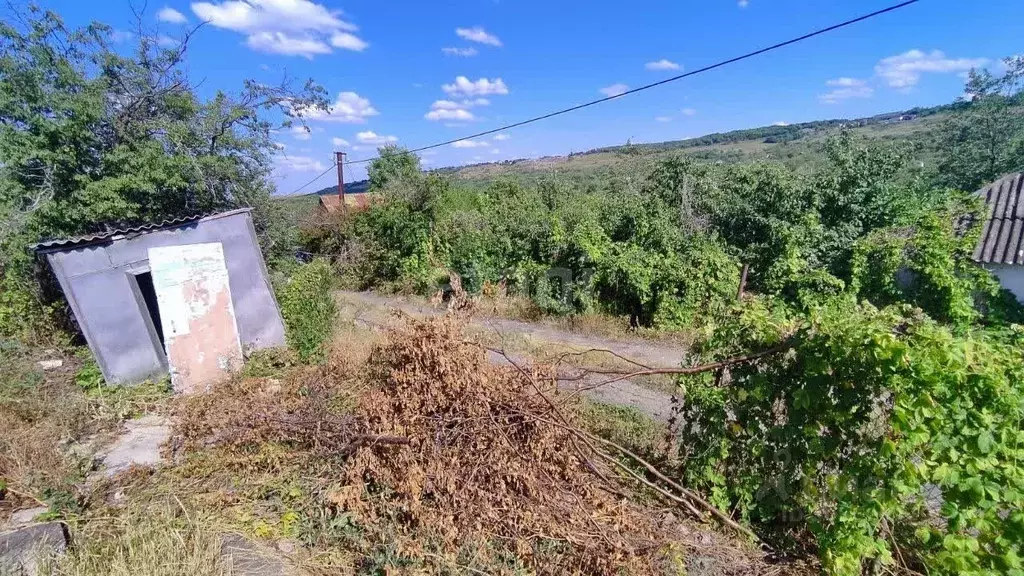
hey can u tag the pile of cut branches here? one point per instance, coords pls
(491, 457)
(443, 457)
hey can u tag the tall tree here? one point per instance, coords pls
(984, 138)
(393, 164)
(93, 138)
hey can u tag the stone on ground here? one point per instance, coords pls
(138, 446)
(27, 516)
(243, 557)
(24, 550)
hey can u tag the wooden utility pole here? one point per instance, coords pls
(339, 160)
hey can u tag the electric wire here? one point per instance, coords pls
(675, 78)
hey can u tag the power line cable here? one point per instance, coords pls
(329, 168)
(708, 68)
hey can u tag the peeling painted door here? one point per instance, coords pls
(194, 298)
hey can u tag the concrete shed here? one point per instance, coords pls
(108, 281)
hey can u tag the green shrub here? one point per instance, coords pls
(309, 310)
(881, 437)
(929, 266)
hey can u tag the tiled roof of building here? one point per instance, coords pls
(1002, 233)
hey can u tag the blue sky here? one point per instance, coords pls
(422, 72)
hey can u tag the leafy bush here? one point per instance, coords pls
(309, 309)
(882, 436)
(929, 265)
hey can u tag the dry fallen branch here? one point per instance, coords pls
(687, 497)
(24, 495)
(786, 345)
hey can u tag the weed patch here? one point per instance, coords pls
(309, 309)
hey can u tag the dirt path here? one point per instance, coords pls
(523, 340)
(650, 353)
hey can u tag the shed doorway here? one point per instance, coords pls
(148, 291)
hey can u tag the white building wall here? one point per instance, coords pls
(1011, 276)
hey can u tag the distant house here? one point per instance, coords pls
(1001, 246)
(331, 203)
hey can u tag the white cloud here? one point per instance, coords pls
(460, 51)
(904, 71)
(288, 27)
(478, 34)
(370, 137)
(349, 108)
(470, 144)
(614, 90)
(450, 105)
(688, 111)
(845, 82)
(495, 151)
(165, 41)
(300, 133)
(300, 164)
(662, 64)
(339, 142)
(780, 123)
(281, 43)
(450, 114)
(743, 3)
(348, 41)
(168, 14)
(663, 118)
(846, 88)
(445, 105)
(451, 110)
(501, 137)
(483, 87)
(120, 36)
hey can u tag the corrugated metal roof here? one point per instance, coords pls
(1002, 232)
(84, 240)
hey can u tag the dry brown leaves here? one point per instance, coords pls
(308, 410)
(489, 459)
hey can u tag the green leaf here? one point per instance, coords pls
(985, 441)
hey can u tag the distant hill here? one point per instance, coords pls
(795, 144)
(782, 133)
(798, 145)
(356, 187)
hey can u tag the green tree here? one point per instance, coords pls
(92, 138)
(394, 164)
(984, 138)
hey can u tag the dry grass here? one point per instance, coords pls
(52, 426)
(158, 539)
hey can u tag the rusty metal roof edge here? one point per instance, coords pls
(57, 245)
